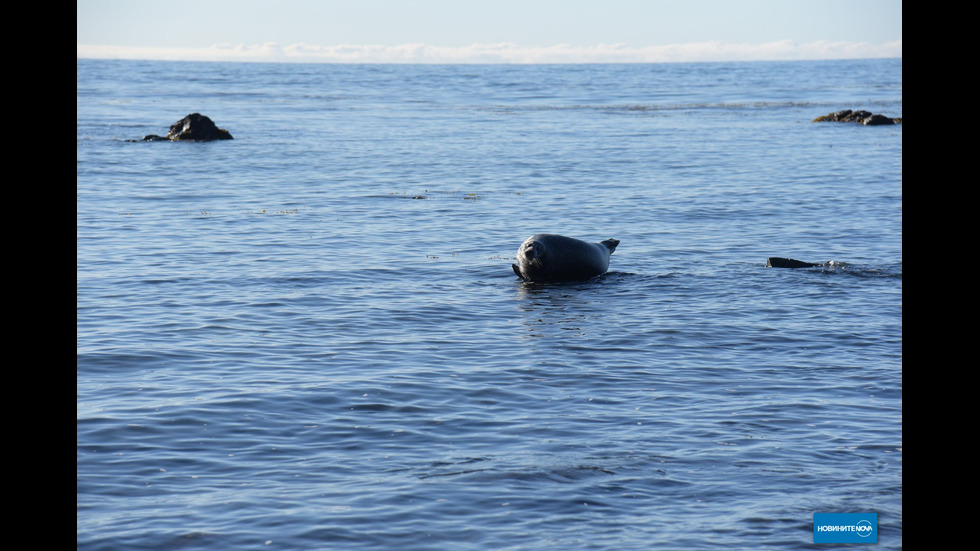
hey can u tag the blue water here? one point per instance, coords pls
(310, 337)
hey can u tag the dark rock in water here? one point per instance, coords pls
(776, 262)
(194, 127)
(197, 127)
(863, 117)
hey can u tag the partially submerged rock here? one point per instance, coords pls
(864, 117)
(194, 127)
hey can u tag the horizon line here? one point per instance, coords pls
(501, 53)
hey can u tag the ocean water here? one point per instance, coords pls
(310, 336)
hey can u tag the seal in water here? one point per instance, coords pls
(777, 262)
(547, 257)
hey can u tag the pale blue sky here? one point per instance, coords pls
(489, 30)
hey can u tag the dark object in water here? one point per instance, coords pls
(547, 257)
(776, 262)
(864, 117)
(194, 127)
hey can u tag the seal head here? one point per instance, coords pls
(547, 257)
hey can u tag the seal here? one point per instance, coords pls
(546, 257)
(777, 262)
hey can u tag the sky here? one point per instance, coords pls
(488, 31)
